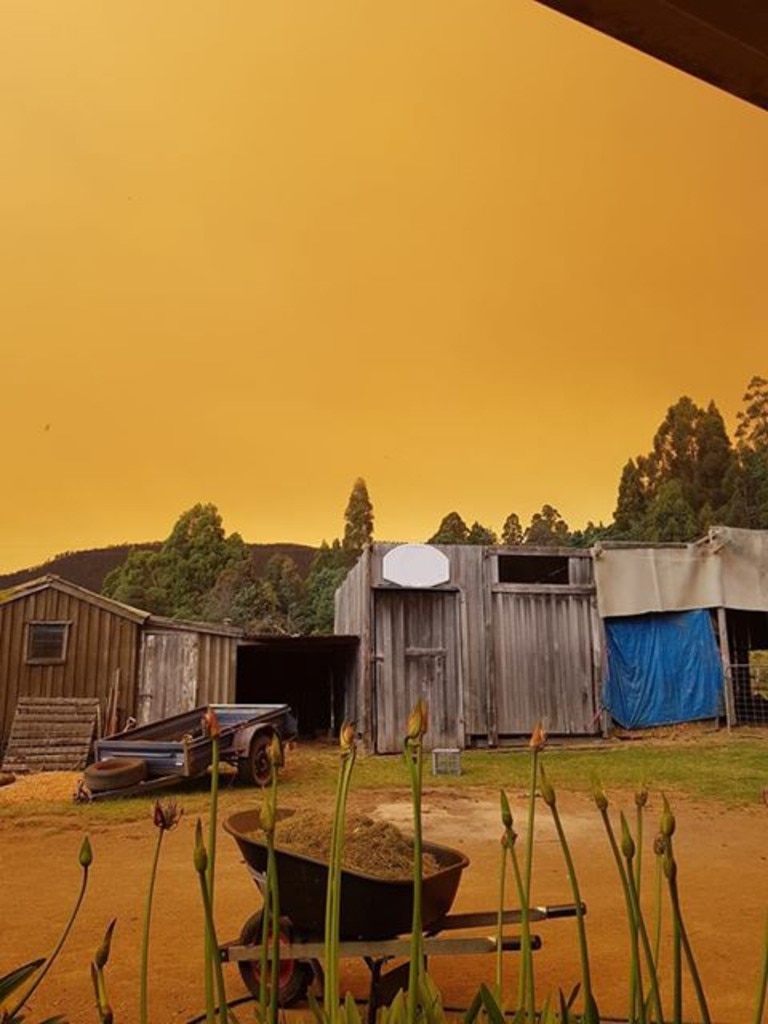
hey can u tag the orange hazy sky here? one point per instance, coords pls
(250, 251)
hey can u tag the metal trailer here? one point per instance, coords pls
(180, 747)
(375, 917)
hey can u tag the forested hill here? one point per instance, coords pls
(89, 568)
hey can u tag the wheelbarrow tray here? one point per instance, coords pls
(371, 907)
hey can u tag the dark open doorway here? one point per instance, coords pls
(309, 673)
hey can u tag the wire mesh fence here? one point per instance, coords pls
(749, 685)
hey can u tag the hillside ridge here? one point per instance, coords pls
(88, 568)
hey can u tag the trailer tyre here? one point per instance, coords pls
(294, 976)
(256, 768)
(115, 773)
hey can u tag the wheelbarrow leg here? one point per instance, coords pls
(384, 986)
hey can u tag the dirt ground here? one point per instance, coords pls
(723, 873)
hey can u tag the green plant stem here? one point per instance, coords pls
(275, 894)
(266, 916)
(416, 967)
(639, 855)
(211, 869)
(225, 1013)
(633, 980)
(526, 898)
(57, 948)
(525, 931)
(143, 995)
(686, 947)
(500, 915)
(762, 986)
(657, 912)
(642, 932)
(590, 1011)
(331, 995)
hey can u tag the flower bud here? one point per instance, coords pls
(641, 796)
(547, 792)
(660, 845)
(86, 854)
(538, 737)
(627, 842)
(667, 819)
(598, 795)
(166, 815)
(508, 838)
(102, 953)
(211, 725)
(506, 811)
(347, 737)
(200, 854)
(418, 721)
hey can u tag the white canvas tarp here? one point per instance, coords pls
(728, 569)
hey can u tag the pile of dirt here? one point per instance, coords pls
(371, 847)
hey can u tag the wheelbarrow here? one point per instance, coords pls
(375, 917)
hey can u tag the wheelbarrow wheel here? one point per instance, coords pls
(293, 976)
(256, 768)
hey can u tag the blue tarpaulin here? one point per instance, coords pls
(662, 669)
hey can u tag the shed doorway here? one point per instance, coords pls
(310, 673)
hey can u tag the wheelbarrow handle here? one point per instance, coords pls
(563, 910)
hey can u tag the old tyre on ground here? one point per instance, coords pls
(256, 768)
(115, 773)
(293, 977)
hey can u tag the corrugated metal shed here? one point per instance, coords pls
(509, 638)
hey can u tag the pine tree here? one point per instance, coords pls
(479, 534)
(452, 530)
(547, 529)
(358, 522)
(512, 531)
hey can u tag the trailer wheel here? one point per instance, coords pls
(115, 773)
(293, 977)
(256, 768)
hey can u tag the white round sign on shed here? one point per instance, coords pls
(416, 565)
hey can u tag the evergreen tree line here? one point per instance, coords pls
(201, 574)
(694, 477)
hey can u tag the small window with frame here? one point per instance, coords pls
(47, 642)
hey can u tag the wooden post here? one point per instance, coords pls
(725, 658)
(489, 577)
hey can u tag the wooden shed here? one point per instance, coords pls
(59, 640)
(495, 639)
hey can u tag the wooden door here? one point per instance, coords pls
(168, 677)
(417, 656)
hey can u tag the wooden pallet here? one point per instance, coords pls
(51, 734)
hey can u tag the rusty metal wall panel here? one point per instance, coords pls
(418, 655)
(101, 648)
(544, 659)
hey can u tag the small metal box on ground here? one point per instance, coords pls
(446, 761)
